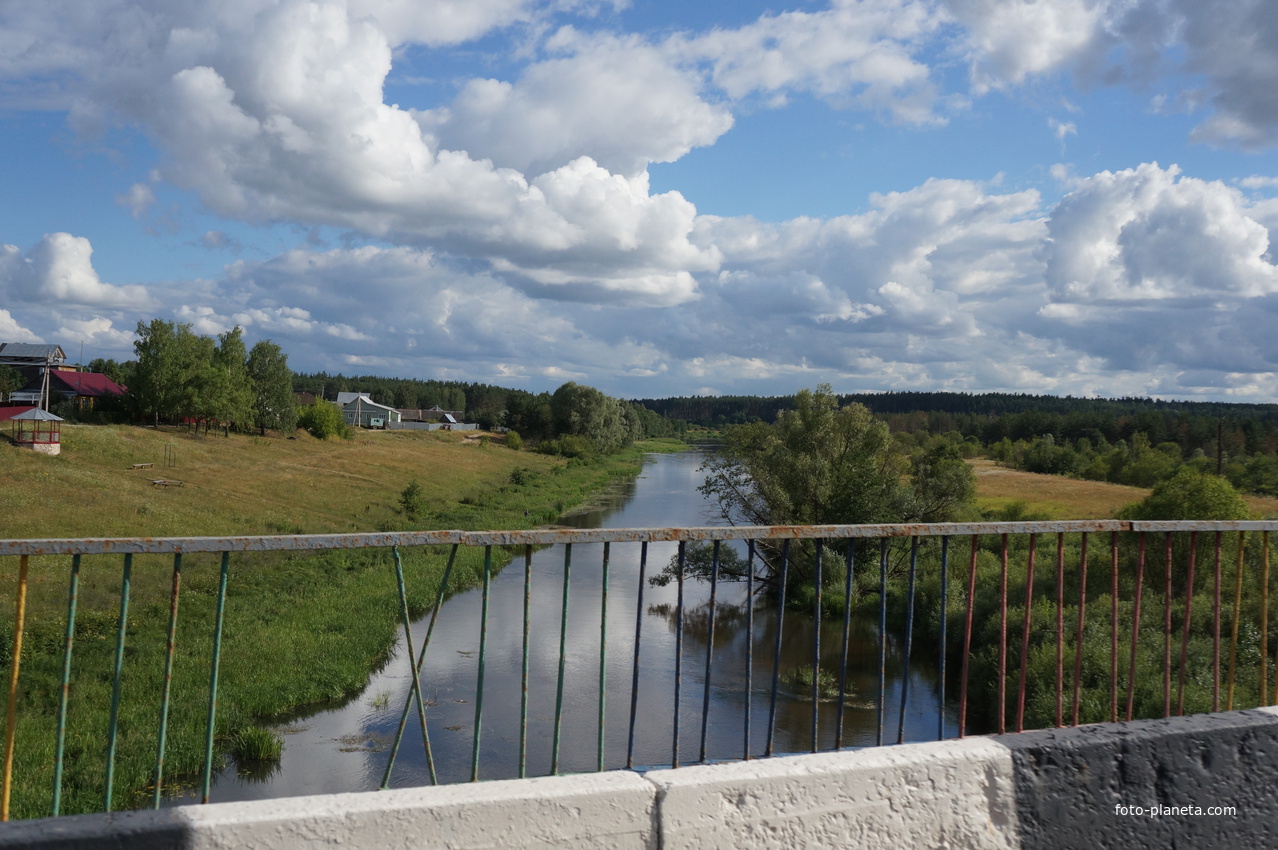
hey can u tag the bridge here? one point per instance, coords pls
(1122, 758)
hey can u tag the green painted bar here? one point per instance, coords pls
(421, 658)
(563, 654)
(479, 676)
(213, 673)
(113, 725)
(416, 689)
(168, 682)
(59, 746)
(523, 677)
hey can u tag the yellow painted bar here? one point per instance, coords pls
(11, 718)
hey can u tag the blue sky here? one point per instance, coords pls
(657, 198)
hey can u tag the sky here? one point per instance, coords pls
(657, 198)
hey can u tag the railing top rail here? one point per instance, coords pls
(537, 537)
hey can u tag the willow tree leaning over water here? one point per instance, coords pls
(820, 464)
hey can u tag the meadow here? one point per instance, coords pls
(1057, 497)
(301, 628)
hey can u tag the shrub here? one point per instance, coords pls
(322, 420)
(411, 500)
(514, 441)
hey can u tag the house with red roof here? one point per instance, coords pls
(85, 389)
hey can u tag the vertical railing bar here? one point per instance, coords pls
(1233, 632)
(65, 696)
(882, 706)
(1131, 664)
(843, 651)
(678, 675)
(523, 667)
(1215, 637)
(909, 639)
(634, 678)
(1060, 629)
(967, 638)
(117, 680)
(15, 666)
(749, 649)
(415, 691)
(1264, 620)
(1167, 628)
(563, 654)
(1025, 633)
(1184, 639)
(1002, 639)
(816, 647)
(479, 673)
(218, 619)
(1082, 613)
(705, 700)
(168, 682)
(776, 653)
(421, 659)
(1113, 627)
(945, 562)
(603, 651)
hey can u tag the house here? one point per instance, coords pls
(34, 362)
(31, 358)
(84, 389)
(433, 414)
(361, 411)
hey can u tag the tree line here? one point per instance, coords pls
(183, 376)
(1126, 440)
(820, 461)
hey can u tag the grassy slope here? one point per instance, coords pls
(300, 628)
(1058, 497)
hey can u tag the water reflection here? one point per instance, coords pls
(345, 747)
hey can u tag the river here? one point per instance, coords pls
(346, 748)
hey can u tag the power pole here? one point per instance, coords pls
(1220, 445)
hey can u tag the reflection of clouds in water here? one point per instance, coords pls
(345, 747)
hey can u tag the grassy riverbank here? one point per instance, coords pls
(300, 628)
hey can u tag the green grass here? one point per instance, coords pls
(255, 744)
(300, 628)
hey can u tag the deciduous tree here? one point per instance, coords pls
(274, 405)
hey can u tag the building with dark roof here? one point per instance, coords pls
(85, 389)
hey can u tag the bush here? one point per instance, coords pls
(411, 500)
(322, 420)
(569, 446)
(514, 441)
(1189, 495)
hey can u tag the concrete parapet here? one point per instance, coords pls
(597, 810)
(950, 793)
(1150, 783)
(1154, 783)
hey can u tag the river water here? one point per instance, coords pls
(346, 748)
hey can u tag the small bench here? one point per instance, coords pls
(165, 482)
(143, 465)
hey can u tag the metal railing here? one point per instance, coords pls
(968, 576)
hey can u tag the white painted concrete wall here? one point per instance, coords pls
(1051, 789)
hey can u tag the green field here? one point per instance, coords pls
(300, 628)
(1058, 497)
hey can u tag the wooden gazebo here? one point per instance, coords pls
(38, 430)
